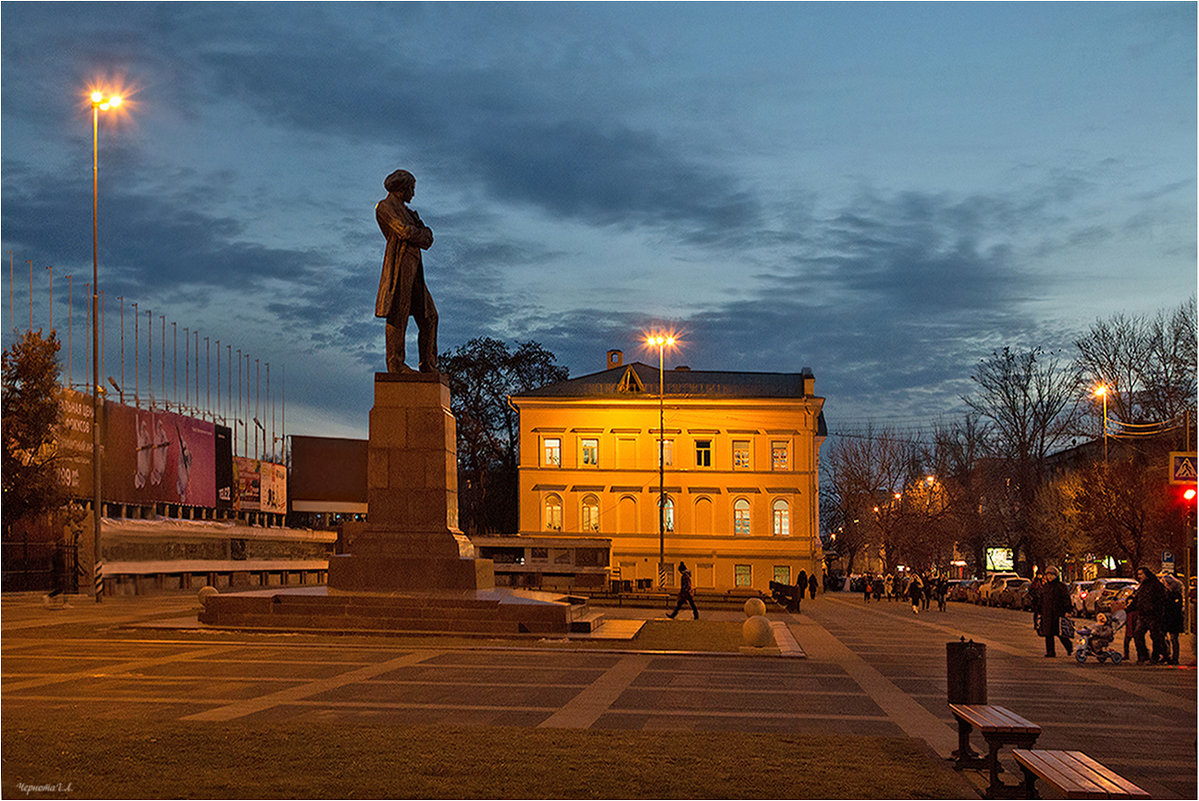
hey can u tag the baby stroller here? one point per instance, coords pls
(1095, 641)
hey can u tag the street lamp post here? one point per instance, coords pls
(99, 103)
(1101, 391)
(661, 342)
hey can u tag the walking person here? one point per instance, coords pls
(685, 595)
(889, 583)
(942, 592)
(929, 586)
(812, 584)
(1172, 618)
(1034, 597)
(1055, 603)
(867, 588)
(916, 592)
(801, 583)
(1149, 601)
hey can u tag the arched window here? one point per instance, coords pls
(669, 516)
(553, 513)
(741, 517)
(590, 516)
(782, 518)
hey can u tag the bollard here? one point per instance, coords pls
(966, 672)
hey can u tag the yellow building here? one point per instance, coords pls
(740, 453)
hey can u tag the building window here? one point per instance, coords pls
(553, 513)
(782, 574)
(741, 517)
(553, 452)
(743, 576)
(668, 507)
(741, 454)
(590, 519)
(590, 452)
(778, 456)
(703, 453)
(782, 518)
(667, 451)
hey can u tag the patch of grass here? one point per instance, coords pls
(316, 759)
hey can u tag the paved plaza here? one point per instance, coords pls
(869, 669)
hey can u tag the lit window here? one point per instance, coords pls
(741, 517)
(741, 454)
(782, 574)
(553, 452)
(590, 513)
(778, 456)
(743, 575)
(553, 513)
(703, 453)
(782, 518)
(590, 452)
(667, 453)
(668, 507)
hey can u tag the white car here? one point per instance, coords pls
(1096, 591)
(1078, 590)
(988, 591)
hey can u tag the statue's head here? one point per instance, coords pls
(399, 181)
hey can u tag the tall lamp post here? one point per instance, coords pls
(661, 341)
(99, 103)
(1101, 391)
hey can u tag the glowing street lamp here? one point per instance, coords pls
(661, 341)
(99, 103)
(1101, 391)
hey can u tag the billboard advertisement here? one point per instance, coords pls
(158, 456)
(74, 440)
(273, 488)
(223, 444)
(247, 484)
(999, 559)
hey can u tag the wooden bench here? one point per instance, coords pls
(1074, 774)
(999, 727)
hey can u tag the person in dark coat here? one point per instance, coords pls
(1149, 602)
(801, 583)
(867, 587)
(1173, 619)
(685, 595)
(916, 592)
(1055, 603)
(812, 585)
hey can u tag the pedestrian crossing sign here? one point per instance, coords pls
(1182, 467)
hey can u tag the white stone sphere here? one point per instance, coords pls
(756, 632)
(754, 607)
(206, 592)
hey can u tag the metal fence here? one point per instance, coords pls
(39, 566)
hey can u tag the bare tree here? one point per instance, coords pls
(1031, 400)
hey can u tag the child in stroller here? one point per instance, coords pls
(1095, 641)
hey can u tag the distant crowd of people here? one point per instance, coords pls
(918, 588)
(1155, 610)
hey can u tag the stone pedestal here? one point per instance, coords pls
(411, 542)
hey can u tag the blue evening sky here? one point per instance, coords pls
(882, 192)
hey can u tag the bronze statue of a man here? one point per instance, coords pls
(402, 290)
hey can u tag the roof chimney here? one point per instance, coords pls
(809, 382)
(615, 358)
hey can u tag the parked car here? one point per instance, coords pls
(1009, 594)
(1090, 600)
(988, 591)
(1123, 595)
(1110, 589)
(1078, 590)
(957, 589)
(971, 592)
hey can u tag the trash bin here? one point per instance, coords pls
(966, 672)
